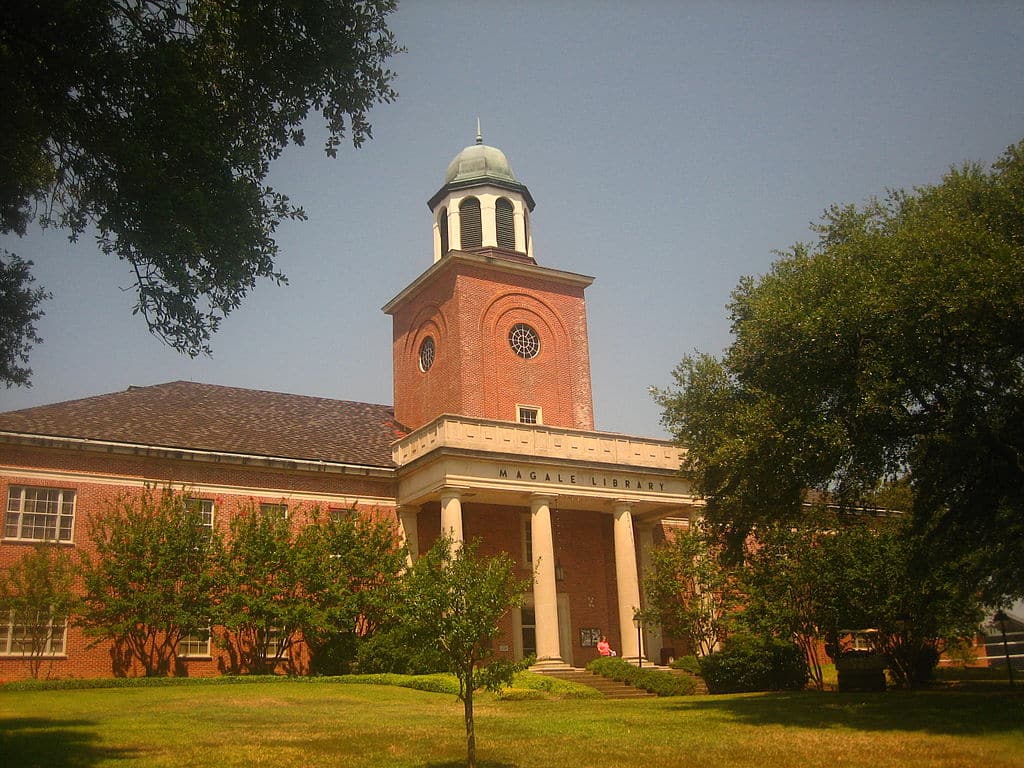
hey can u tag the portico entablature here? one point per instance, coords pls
(508, 463)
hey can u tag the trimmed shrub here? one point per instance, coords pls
(755, 664)
(436, 683)
(520, 694)
(561, 689)
(392, 650)
(652, 680)
(687, 664)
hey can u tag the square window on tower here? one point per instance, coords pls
(528, 414)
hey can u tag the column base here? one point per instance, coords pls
(549, 665)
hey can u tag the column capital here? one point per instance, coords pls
(453, 491)
(620, 506)
(542, 498)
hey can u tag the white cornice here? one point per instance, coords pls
(191, 454)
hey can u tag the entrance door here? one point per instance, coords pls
(525, 629)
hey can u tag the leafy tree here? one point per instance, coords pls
(454, 600)
(37, 596)
(349, 568)
(155, 123)
(812, 582)
(150, 578)
(788, 593)
(691, 594)
(262, 602)
(19, 312)
(893, 348)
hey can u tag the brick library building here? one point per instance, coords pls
(491, 437)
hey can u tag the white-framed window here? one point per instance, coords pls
(39, 514)
(529, 414)
(19, 637)
(276, 641)
(195, 645)
(526, 541)
(204, 507)
(278, 510)
(339, 514)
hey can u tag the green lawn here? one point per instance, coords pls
(321, 723)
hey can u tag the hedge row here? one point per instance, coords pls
(561, 689)
(652, 680)
(689, 664)
(541, 685)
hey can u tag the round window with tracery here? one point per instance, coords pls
(427, 353)
(524, 340)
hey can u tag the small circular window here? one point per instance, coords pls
(427, 353)
(524, 340)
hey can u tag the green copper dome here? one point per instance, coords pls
(478, 165)
(477, 162)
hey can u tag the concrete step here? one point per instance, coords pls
(610, 689)
(615, 688)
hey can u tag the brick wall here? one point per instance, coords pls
(99, 480)
(469, 309)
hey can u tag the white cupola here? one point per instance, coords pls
(482, 206)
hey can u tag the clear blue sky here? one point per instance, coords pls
(670, 147)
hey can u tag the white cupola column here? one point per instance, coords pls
(488, 230)
(454, 224)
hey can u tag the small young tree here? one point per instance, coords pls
(349, 566)
(37, 597)
(151, 578)
(261, 600)
(689, 591)
(784, 583)
(454, 599)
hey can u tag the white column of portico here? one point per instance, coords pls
(545, 598)
(626, 577)
(409, 527)
(652, 633)
(451, 515)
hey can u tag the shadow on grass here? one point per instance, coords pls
(462, 764)
(955, 713)
(37, 741)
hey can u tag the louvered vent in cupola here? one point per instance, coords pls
(504, 224)
(442, 225)
(469, 223)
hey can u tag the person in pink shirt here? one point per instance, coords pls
(604, 648)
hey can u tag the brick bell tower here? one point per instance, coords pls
(485, 332)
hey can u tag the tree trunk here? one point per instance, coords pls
(470, 730)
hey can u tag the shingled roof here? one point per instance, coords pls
(186, 415)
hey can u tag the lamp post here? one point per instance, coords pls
(1001, 618)
(638, 622)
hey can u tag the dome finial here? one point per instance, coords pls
(479, 133)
